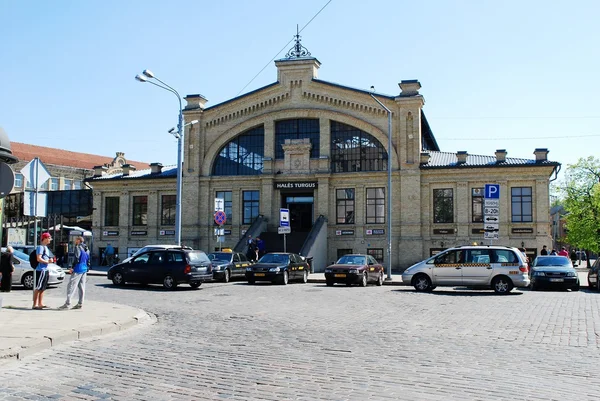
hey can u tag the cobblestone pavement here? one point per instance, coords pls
(311, 342)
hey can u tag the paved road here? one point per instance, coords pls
(311, 342)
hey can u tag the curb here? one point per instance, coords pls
(389, 282)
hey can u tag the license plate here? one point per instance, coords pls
(557, 280)
(259, 274)
(339, 275)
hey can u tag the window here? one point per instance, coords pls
(342, 252)
(111, 213)
(355, 150)
(226, 196)
(243, 155)
(77, 184)
(140, 210)
(504, 256)
(68, 185)
(251, 201)
(18, 180)
(297, 129)
(376, 253)
(168, 208)
(344, 201)
(450, 257)
(375, 205)
(443, 205)
(53, 184)
(521, 204)
(45, 185)
(477, 205)
(28, 184)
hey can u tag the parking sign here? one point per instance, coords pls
(492, 191)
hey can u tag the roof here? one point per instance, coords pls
(61, 157)
(167, 172)
(449, 160)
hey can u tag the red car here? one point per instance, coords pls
(354, 269)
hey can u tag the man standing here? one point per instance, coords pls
(78, 274)
(6, 269)
(544, 250)
(109, 254)
(41, 271)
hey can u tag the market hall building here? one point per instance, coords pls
(320, 150)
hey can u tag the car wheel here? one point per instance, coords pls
(285, 278)
(305, 277)
(502, 285)
(590, 285)
(227, 276)
(380, 279)
(27, 280)
(117, 279)
(598, 283)
(196, 284)
(363, 281)
(422, 283)
(534, 287)
(169, 282)
(329, 283)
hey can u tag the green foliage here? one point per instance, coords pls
(582, 203)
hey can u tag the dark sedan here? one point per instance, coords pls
(593, 275)
(168, 267)
(279, 267)
(553, 271)
(227, 265)
(354, 269)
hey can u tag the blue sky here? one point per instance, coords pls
(514, 75)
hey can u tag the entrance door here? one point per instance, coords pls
(301, 210)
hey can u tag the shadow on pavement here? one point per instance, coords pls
(466, 293)
(148, 287)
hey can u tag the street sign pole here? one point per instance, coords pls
(284, 244)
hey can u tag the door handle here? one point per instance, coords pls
(489, 267)
(457, 268)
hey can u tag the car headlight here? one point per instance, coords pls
(328, 270)
(353, 271)
(539, 273)
(571, 274)
(274, 269)
(218, 267)
(248, 269)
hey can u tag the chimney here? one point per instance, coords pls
(541, 154)
(100, 170)
(461, 155)
(500, 155)
(128, 168)
(195, 102)
(156, 168)
(409, 87)
(425, 158)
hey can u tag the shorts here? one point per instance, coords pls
(42, 280)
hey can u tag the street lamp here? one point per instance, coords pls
(147, 77)
(389, 186)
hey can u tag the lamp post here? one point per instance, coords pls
(389, 186)
(146, 77)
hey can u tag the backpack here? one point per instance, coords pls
(33, 259)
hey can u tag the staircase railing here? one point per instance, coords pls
(258, 226)
(315, 246)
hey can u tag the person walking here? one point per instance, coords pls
(109, 254)
(41, 270)
(78, 274)
(6, 269)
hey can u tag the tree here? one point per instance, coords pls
(582, 203)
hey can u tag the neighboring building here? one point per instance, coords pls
(559, 227)
(320, 150)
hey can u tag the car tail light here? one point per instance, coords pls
(187, 269)
(524, 268)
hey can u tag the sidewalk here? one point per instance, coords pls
(24, 331)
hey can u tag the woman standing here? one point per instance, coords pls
(7, 269)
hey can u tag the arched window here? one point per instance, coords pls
(243, 155)
(355, 150)
(298, 128)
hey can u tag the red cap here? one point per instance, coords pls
(46, 235)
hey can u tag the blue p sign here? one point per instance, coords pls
(492, 191)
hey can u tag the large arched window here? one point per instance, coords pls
(298, 128)
(355, 150)
(243, 155)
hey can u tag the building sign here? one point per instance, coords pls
(139, 233)
(442, 231)
(166, 232)
(226, 232)
(522, 230)
(296, 185)
(477, 231)
(376, 231)
(344, 232)
(110, 233)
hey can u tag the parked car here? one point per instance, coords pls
(169, 267)
(149, 247)
(500, 268)
(593, 281)
(23, 274)
(279, 267)
(227, 265)
(553, 271)
(354, 269)
(27, 249)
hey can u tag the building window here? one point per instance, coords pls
(140, 210)
(521, 204)
(375, 205)
(77, 184)
(53, 184)
(251, 201)
(297, 129)
(355, 150)
(344, 203)
(68, 185)
(477, 205)
(111, 213)
(28, 185)
(45, 185)
(227, 207)
(443, 205)
(243, 155)
(168, 208)
(18, 180)
(377, 253)
(342, 252)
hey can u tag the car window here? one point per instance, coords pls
(158, 257)
(142, 259)
(20, 254)
(552, 261)
(504, 256)
(198, 257)
(242, 257)
(372, 261)
(175, 257)
(478, 256)
(236, 258)
(450, 257)
(274, 258)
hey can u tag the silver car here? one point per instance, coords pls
(23, 274)
(500, 268)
